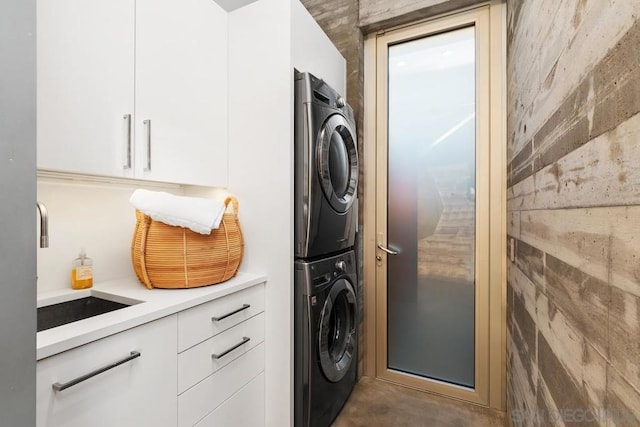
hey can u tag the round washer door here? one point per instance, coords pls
(338, 331)
(337, 157)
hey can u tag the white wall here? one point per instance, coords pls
(96, 216)
(261, 175)
(314, 52)
(267, 39)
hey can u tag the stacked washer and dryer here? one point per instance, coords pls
(326, 215)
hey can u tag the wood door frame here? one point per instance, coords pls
(490, 325)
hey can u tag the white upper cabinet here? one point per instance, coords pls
(181, 89)
(133, 89)
(85, 77)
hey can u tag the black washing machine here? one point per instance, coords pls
(326, 338)
(326, 170)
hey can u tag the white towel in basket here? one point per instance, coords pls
(195, 213)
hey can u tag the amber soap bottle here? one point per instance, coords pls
(82, 272)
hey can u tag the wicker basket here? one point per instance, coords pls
(165, 256)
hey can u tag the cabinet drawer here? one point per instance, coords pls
(197, 324)
(199, 362)
(243, 409)
(197, 402)
(141, 391)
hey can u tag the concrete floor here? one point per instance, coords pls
(375, 403)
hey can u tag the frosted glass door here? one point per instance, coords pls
(431, 214)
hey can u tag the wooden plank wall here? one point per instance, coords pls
(378, 15)
(573, 156)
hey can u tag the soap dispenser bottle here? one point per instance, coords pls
(82, 271)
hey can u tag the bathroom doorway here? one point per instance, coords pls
(434, 223)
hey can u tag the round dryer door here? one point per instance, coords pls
(337, 157)
(338, 331)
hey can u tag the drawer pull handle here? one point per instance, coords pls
(64, 386)
(224, 353)
(217, 319)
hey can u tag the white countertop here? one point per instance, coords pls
(154, 304)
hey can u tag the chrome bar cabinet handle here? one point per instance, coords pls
(147, 126)
(217, 319)
(224, 353)
(64, 386)
(127, 141)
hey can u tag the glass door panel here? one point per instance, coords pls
(431, 214)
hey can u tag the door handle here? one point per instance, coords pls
(387, 250)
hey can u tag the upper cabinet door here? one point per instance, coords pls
(181, 91)
(85, 77)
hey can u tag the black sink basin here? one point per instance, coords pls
(54, 315)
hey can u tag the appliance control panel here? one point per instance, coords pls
(323, 271)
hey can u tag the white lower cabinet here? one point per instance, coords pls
(203, 366)
(200, 400)
(209, 319)
(245, 408)
(139, 392)
(228, 356)
(213, 354)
